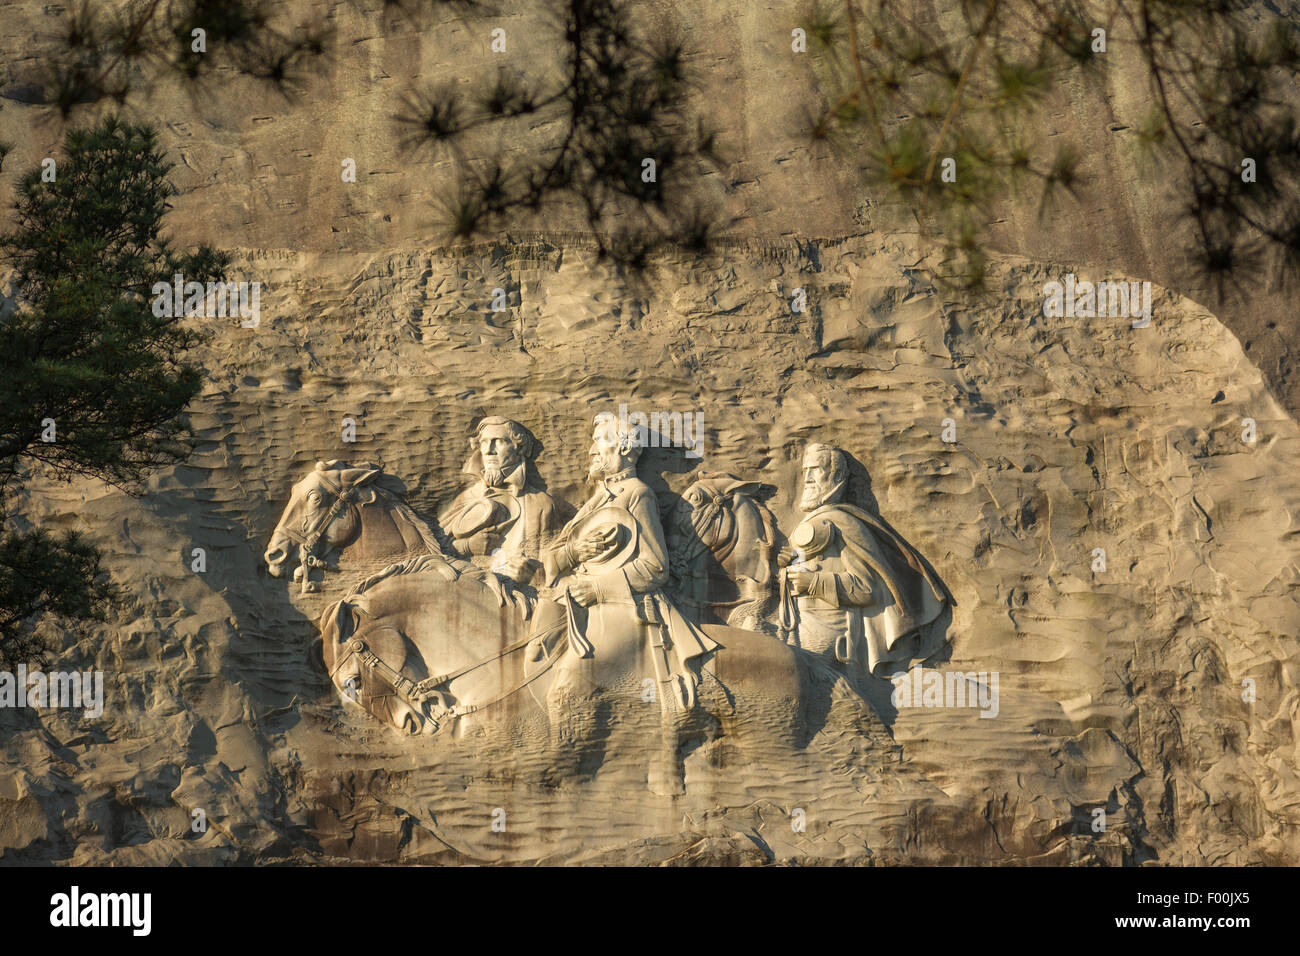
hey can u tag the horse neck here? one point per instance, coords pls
(419, 534)
(755, 524)
(748, 549)
(381, 533)
(689, 546)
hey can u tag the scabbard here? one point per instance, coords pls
(577, 638)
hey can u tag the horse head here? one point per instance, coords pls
(722, 545)
(338, 506)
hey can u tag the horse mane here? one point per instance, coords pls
(394, 491)
(770, 541)
(434, 542)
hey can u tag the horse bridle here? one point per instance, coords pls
(431, 698)
(702, 515)
(309, 540)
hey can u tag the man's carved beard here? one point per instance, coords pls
(596, 470)
(493, 475)
(814, 496)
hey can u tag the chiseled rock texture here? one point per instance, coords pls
(1120, 690)
(259, 169)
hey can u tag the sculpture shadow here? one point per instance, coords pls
(660, 458)
(858, 489)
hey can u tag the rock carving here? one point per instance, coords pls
(496, 619)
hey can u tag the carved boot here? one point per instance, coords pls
(667, 773)
(574, 717)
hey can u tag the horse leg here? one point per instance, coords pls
(576, 710)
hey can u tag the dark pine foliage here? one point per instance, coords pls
(906, 84)
(81, 347)
(620, 96)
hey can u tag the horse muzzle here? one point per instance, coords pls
(275, 558)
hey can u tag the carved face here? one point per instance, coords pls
(500, 451)
(605, 456)
(820, 483)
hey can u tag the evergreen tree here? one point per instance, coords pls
(627, 152)
(92, 382)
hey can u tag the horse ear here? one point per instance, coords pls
(320, 466)
(366, 476)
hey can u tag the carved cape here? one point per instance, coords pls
(873, 559)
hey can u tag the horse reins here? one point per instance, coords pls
(418, 693)
(309, 540)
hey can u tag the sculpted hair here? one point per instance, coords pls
(839, 464)
(529, 446)
(624, 435)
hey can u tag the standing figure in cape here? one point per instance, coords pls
(853, 589)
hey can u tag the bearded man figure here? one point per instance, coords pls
(496, 529)
(853, 589)
(607, 569)
(504, 520)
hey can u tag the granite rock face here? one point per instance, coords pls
(261, 170)
(1146, 694)
(1122, 690)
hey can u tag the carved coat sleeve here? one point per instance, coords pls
(548, 525)
(851, 584)
(448, 515)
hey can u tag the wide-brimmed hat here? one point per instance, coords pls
(489, 512)
(626, 540)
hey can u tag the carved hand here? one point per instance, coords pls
(517, 567)
(801, 582)
(595, 543)
(499, 588)
(485, 542)
(505, 594)
(583, 591)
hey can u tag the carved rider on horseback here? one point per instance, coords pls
(612, 558)
(504, 519)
